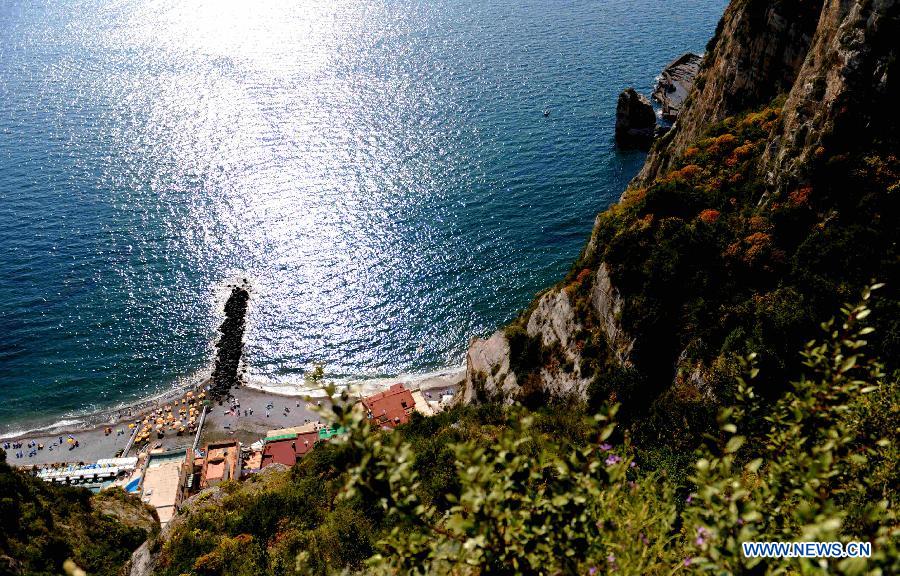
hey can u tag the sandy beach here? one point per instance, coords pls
(266, 409)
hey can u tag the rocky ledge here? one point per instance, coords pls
(675, 84)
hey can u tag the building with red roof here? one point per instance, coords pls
(288, 450)
(390, 408)
(222, 462)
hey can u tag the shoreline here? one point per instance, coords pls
(95, 444)
(105, 417)
(113, 415)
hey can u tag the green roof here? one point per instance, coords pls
(281, 437)
(326, 433)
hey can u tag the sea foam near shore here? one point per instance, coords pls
(446, 377)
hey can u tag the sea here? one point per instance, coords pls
(391, 177)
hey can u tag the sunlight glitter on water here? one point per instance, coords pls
(381, 172)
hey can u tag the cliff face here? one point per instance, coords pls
(758, 50)
(844, 92)
(723, 235)
(563, 322)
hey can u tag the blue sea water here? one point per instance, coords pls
(380, 171)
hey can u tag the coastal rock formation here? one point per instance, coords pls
(230, 346)
(488, 375)
(608, 303)
(635, 120)
(556, 322)
(756, 54)
(675, 84)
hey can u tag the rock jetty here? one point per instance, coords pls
(675, 84)
(635, 120)
(230, 346)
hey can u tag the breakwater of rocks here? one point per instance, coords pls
(230, 347)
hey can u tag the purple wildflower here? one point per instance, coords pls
(633, 464)
(605, 447)
(687, 561)
(643, 538)
(592, 571)
(611, 560)
(740, 521)
(702, 533)
(613, 459)
(689, 499)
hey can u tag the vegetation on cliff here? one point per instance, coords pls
(496, 489)
(713, 265)
(42, 526)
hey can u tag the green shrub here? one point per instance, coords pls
(42, 526)
(820, 469)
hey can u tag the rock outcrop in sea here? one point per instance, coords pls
(635, 120)
(230, 346)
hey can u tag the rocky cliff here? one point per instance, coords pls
(723, 233)
(844, 95)
(756, 54)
